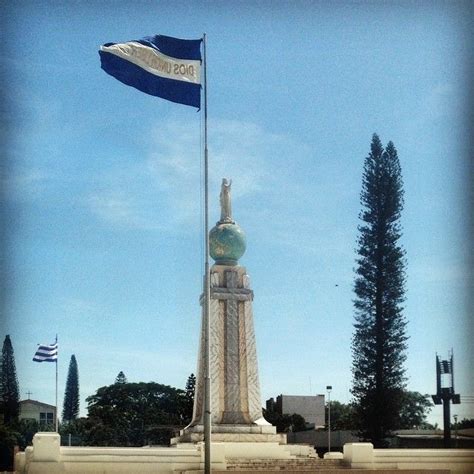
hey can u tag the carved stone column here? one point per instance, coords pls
(236, 409)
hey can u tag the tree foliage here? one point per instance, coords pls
(379, 340)
(465, 423)
(27, 428)
(8, 440)
(121, 378)
(414, 410)
(135, 414)
(77, 432)
(342, 416)
(9, 390)
(189, 394)
(284, 423)
(71, 395)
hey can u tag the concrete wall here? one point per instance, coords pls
(46, 456)
(364, 456)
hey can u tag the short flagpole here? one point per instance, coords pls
(207, 291)
(57, 423)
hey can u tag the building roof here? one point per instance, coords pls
(37, 403)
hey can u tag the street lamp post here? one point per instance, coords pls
(329, 388)
(455, 430)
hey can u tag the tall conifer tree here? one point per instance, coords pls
(189, 396)
(379, 340)
(71, 395)
(121, 378)
(9, 391)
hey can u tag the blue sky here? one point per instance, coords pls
(102, 185)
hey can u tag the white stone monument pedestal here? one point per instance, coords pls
(236, 410)
(232, 434)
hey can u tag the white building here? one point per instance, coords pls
(43, 413)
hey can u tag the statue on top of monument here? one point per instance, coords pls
(226, 207)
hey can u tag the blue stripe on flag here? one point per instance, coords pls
(132, 75)
(52, 347)
(174, 47)
(46, 353)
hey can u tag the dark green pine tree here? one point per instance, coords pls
(379, 340)
(10, 393)
(120, 378)
(189, 396)
(71, 395)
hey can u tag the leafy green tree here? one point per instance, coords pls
(9, 390)
(135, 414)
(379, 340)
(414, 410)
(77, 431)
(189, 394)
(71, 395)
(9, 438)
(465, 423)
(285, 423)
(121, 378)
(26, 429)
(342, 416)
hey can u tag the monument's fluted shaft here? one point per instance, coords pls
(234, 373)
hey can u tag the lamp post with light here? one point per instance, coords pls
(329, 388)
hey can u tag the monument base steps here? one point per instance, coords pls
(230, 438)
(293, 465)
(338, 470)
(250, 449)
(225, 433)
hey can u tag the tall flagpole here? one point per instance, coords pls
(207, 291)
(57, 424)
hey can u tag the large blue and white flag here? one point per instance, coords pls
(46, 353)
(159, 65)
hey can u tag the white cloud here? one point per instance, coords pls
(239, 150)
(79, 306)
(25, 184)
(440, 103)
(164, 190)
(119, 208)
(431, 270)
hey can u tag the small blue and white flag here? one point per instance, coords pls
(46, 353)
(159, 65)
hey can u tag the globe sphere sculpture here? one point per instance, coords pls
(227, 243)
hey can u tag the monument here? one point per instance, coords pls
(236, 409)
(241, 438)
